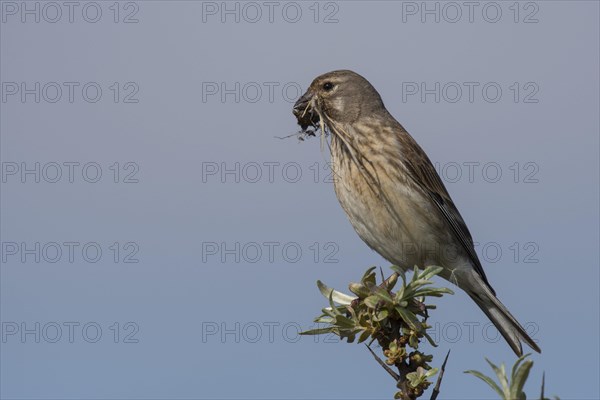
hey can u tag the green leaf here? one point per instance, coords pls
(399, 294)
(350, 338)
(359, 289)
(431, 372)
(436, 292)
(487, 380)
(416, 283)
(413, 341)
(317, 331)
(414, 379)
(409, 318)
(430, 340)
(363, 336)
(381, 315)
(384, 295)
(378, 311)
(368, 272)
(371, 301)
(519, 379)
(344, 322)
(329, 312)
(415, 274)
(352, 312)
(430, 272)
(369, 277)
(334, 309)
(501, 374)
(338, 297)
(516, 365)
(420, 376)
(324, 319)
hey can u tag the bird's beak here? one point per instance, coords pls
(302, 104)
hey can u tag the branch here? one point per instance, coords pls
(436, 389)
(384, 365)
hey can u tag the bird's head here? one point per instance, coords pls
(342, 96)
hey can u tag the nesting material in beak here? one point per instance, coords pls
(305, 113)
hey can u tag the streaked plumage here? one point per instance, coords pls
(392, 194)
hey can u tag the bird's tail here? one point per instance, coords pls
(508, 326)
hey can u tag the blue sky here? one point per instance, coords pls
(160, 241)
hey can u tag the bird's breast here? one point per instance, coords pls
(386, 209)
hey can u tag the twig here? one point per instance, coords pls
(384, 365)
(436, 388)
(288, 136)
(300, 135)
(543, 384)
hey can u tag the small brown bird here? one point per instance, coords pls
(392, 194)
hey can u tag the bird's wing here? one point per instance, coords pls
(424, 175)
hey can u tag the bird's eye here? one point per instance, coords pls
(327, 86)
